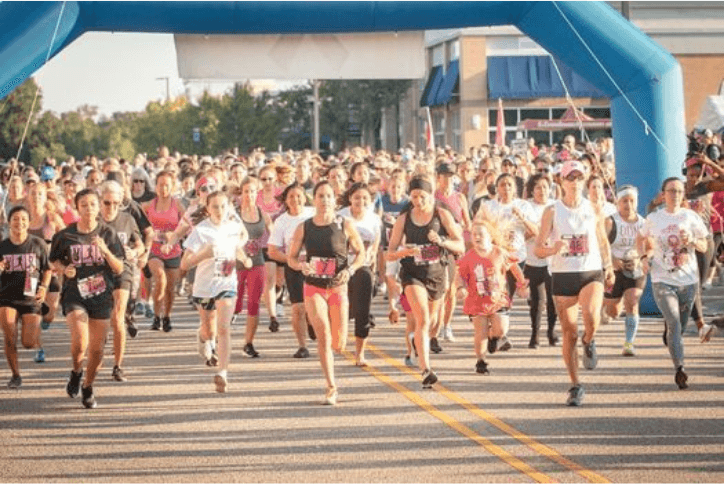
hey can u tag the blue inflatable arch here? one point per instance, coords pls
(643, 80)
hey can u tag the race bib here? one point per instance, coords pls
(576, 245)
(31, 285)
(252, 247)
(323, 267)
(91, 286)
(224, 267)
(429, 254)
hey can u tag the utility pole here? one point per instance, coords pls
(168, 91)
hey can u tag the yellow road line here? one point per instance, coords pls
(451, 422)
(538, 447)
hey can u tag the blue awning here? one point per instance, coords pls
(447, 87)
(432, 86)
(525, 77)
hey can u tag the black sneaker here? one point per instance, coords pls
(435, 346)
(681, 378)
(15, 382)
(156, 326)
(250, 351)
(302, 353)
(273, 324)
(213, 359)
(89, 401)
(311, 333)
(429, 378)
(506, 344)
(166, 324)
(493, 345)
(118, 374)
(73, 386)
(131, 325)
(482, 367)
(552, 339)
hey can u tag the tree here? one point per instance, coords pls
(14, 112)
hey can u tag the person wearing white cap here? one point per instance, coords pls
(572, 235)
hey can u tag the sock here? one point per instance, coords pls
(632, 325)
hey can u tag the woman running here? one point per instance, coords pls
(90, 256)
(671, 235)
(326, 239)
(24, 278)
(580, 264)
(258, 225)
(355, 203)
(393, 203)
(279, 242)
(213, 247)
(428, 231)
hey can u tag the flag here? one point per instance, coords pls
(500, 131)
(429, 137)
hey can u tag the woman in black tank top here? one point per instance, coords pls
(325, 238)
(428, 232)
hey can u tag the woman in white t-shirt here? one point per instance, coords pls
(213, 247)
(671, 235)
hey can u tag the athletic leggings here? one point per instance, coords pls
(360, 300)
(253, 279)
(703, 260)
(540, 280)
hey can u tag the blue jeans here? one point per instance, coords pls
(675, 303)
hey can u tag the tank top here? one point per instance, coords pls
(258, 237)
(626, 233)
(326, 248)
(163, 222)
(577, 228)
(44, 231)
(429, 264)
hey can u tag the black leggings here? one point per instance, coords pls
(540, 281)
(359, 289)
(703, 260)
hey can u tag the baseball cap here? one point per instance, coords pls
(47, 173)
(444, 169)
(571, 166)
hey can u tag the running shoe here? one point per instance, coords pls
(250, 351)
(706, 332)
(118, 374)
(575, 396)
(213, 359)
(330, 398)
(448, 334)
(552, 339)
(140, 309)
(311, 333)
(533, 343)
(590, 357)
(221, 383)
(493, 345)
(435, 346)
(156, 326)
(15, 382)
(44, 325)
(482, 367)
(131, 325)
(506, 344)
(409, 362)
(429, 378)
(718, 323)
(301, 353)
(89, 401)
(680, 378)
(628, 350)
(39, 356)
(273, 324)
(73, 386)
(166, 324)
(149, 311)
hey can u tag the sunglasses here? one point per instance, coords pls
(138, 181)
(109, 203)
(573, 177)
(207, 188)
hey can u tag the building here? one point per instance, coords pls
(469, 69)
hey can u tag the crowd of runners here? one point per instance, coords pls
(108, 242)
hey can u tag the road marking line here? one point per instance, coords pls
(538, 447)
(451, 422)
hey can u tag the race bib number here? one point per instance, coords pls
(31, 285)
(576, 245)
(252, 247)
(224, 267)
(323, 267)
(429, 254)
(91, 286)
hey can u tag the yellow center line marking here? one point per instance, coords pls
(451, 422)
(538, 447)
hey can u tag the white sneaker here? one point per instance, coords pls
(448, 334)
(221, 382)
(706, 332)
(706, 286)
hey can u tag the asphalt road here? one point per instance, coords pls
(167, 424)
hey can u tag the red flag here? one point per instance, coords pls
(429, 137)
(500, 131)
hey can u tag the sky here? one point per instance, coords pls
(116, 72)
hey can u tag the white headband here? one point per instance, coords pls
(628, 190)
